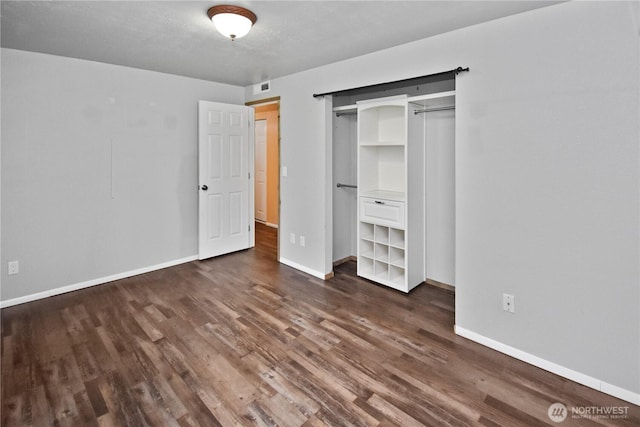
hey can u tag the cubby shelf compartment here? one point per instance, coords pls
(381, 270)
(381, 253)
(366, 248)
(365, 266)
(366, 231)
(397, 275)
(396, 257)
(396, 238)
(381, 234)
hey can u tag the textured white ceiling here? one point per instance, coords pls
(177, 37)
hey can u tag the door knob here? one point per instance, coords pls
(204, 188)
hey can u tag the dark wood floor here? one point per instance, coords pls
(243, 340)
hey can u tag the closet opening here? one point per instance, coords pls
(429, 117)
(266, 172)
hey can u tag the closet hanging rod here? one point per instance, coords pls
(346, 185)
(427, 110)
(345, 113)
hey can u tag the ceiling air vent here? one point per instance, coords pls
(262, 87)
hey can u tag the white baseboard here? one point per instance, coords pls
(303, 268)
(562, 371)
(620, 393)
(94, 282)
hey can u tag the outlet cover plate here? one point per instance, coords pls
(14, 267)
(509, 303)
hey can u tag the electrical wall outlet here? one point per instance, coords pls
(303, 241)
(292, 238)
(14, 267)
(509, 303)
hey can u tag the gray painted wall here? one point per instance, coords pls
(547, 183)
(99, 169)
(547, 188)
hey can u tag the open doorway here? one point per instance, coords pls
(266, 173)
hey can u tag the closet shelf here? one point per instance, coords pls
(381, 143)
(440, 99)
(434, 100)
(385, 195)
(344, 108)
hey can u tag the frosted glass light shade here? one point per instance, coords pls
(232, 21)
(232, 25)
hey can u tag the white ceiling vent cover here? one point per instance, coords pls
(262, 87)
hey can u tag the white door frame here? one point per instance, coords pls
(260, 176)
(258, 103)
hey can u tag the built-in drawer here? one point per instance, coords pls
(382, 212)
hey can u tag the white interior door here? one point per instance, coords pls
(225, 159)
(261, 170)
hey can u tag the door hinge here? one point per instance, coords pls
(249, 228)
(249, 175)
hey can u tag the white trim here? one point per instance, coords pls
(268, 224)
(562, 371)
(94, 282)
(620, 393)
(302, 268)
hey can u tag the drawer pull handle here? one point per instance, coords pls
(378, 202)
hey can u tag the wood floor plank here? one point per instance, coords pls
(40, 412)
(94, 395)
(198, 413)
(62, 374)
(151, 403)
(241, 340)
(333, 410)
(173, 403)
(108, 345)
(393, 413)
(284, 411)
(123, 408)
(12, 409)
(282, 385)
(86, 415)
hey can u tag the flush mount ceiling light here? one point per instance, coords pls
(232, 21)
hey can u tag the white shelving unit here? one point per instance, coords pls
(390, 205)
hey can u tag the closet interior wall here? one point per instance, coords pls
(440, 196)
(345, 208)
